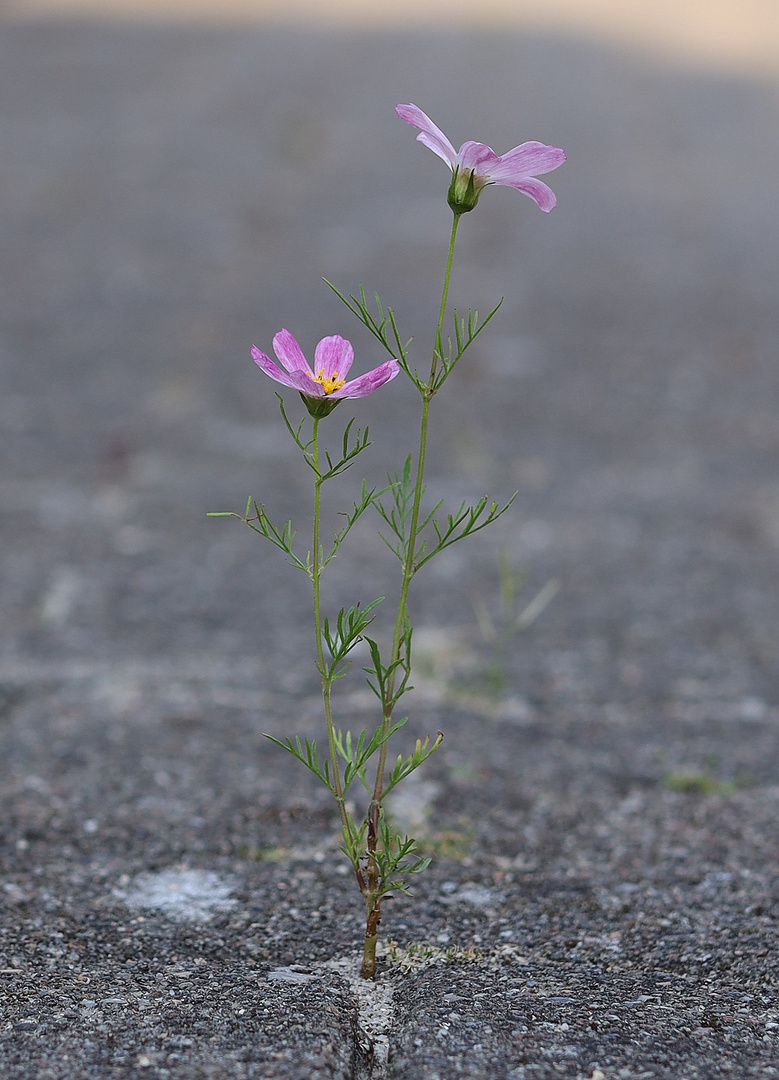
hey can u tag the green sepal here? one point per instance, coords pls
(319, 407)
(463, 193)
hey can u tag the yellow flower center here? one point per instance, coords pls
(329, 384)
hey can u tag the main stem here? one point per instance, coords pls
(373, 894)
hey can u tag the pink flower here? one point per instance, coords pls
(475, 165)
(324, 387)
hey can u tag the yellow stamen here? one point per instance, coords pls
(331, 384)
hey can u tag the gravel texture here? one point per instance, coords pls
(603, 812)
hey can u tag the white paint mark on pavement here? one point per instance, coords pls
(182, 895)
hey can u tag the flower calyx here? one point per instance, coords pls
(464, 190)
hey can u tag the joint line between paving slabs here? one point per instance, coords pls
(375, 1014)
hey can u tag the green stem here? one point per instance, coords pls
(316, 573)
(373, 884)
(408, 563)
(439, 339)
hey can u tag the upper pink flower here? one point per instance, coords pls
(326, 385)
(476, 165)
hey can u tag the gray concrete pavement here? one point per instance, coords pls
(603, 897)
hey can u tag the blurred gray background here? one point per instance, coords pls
(173, 187)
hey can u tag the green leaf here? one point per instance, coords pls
(309, 757)
(404, 767)
(350, 452)
(366, 499)
(467, 521)
(465, 334)
(356, 757)
(347, 633)
(380, 325)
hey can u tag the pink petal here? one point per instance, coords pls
(306, 385)
(538, 191)
(298, 380)
(431, 136)
(370, 381)
(478, 156)
(289, 352)
(529, 159)
(333, 354)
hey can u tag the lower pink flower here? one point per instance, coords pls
(322, 388)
